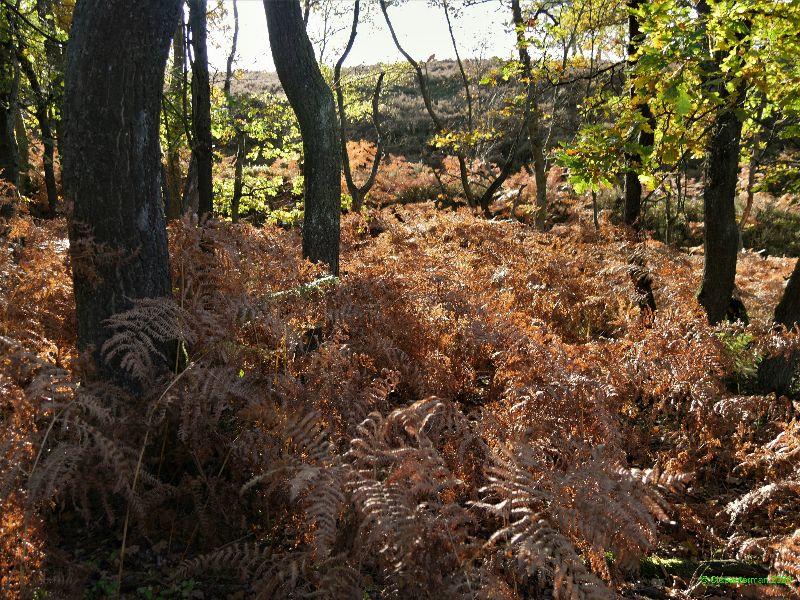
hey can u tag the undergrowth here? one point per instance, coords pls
(472, 409)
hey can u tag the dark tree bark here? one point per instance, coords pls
(721, 237)
(721, 230)
(8, 150)
(111, 165)
(532, 118)
(633, 187)
(357, 193)
(787, 313)
(775, 373)
(17, 136)
(312, 101)
(48, 142)
(201, 106)
(8, 163)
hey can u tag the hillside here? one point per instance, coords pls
(408, 126)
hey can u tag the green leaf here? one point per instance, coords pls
(683, 104)
(647, 180)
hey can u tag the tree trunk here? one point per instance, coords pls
(48, 161)
(461, 70)
(721, 230)
(787, 312)
(357, 193)
(112, 172)
(532, 118)
(426, 99)
(232, 56)
(8, 144)
(48, 142)
(633, 187)
(23, 151)
(721, 236)
(189, 196)
(239, 135)
(174, 126)
(8, 163)
(19, 138)
(312, 102)
(56, 64)
(775, 373)
(241, 155)
(201, 106)
(752, 168)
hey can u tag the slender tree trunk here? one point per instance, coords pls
(241, 155)
(357, 193)
(462, 164)
(232, 55)
(9, 167)
(174, 124)
(312, 101)
(751, 181)
(532, 118)
(426, 99)
(18, 146)
(751, 172)
(8, 163)
(473, 201)
(241, 138)
(668, 218)
(112, 168)
(633, 187)
(48, 143)
(166, 198)
(56, 62)
(462, 71)
(189, 196)
(201, 106)
(23, 151)
(48, 160)
(721, 237)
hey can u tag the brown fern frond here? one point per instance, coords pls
(239, 559)
(139, 338)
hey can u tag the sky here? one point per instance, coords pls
(480, 30)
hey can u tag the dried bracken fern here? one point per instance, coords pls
(472, 410)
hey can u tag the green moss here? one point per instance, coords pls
(654, 567)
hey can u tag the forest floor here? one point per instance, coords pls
(637, 436)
